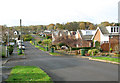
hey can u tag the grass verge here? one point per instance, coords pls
(28, 74)
(108, 59)
(55, 54)
(41, 48)
(22, 52)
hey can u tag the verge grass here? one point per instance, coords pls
(108, 59)
(28, 74)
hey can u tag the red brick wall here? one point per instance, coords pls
(113, 44)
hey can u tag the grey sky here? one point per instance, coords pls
(43, 12)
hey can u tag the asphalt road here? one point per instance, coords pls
(67, 68)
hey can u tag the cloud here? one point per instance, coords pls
(52, 11)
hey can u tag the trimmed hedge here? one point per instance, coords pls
(87, 48)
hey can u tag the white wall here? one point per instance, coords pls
(109, 29)
(104, 37)
(91, 32)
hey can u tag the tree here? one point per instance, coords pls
(91, 27)
(82, 26)
(47, 41)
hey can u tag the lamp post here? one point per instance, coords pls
(8, 40)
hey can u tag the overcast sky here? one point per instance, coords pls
(43, 12)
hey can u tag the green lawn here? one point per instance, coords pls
(55, 54)
(41, 48)
(107, 58)
(28, 74)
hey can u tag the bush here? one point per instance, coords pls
(61, 44)
(89, 51)
(10, 48)
(116, 55)
(97, 44)
(39, 42)
(27, 37)
(93, 52)
(48, 37)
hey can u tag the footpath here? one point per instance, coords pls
(14, 56)
(6, 69)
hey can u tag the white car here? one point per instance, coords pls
(22, 47)
(19, 42)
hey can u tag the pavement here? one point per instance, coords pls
(67, 68)
(6, 69)
(14, 56)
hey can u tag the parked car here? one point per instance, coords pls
(64, 47)
(22, 47)
(19, 42)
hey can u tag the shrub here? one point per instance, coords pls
(116, 55)
(10, 48)
(93, 52)
(61, 44)
(39, 42)
(48, 37)
(97, 44)
(30, 41)
(89, 51)
(27, 37)
(46, 41)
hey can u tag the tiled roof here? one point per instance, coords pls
(103, 30)
(85, 37)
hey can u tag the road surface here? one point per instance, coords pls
(67, 68)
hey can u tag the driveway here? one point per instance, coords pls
(67, 68)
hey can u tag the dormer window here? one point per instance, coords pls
(112, 29)
(117, 29)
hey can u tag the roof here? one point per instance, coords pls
(106, 32)
(85, 37)
(103, 30)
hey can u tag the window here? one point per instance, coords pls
(112, 29)
(117, 29)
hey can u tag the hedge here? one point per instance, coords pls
(87, 48)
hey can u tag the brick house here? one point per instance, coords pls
(84, 38)
(108, 37)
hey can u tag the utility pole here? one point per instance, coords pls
(21, 35)
(8, 40)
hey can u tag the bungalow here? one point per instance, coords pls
(84, 38)
(108, 37)
(63, 33)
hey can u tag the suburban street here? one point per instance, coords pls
(67, 68)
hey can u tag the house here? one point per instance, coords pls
(47, 32)
(84, 38)
(108, 37)
(16, 33)
(64, 36)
